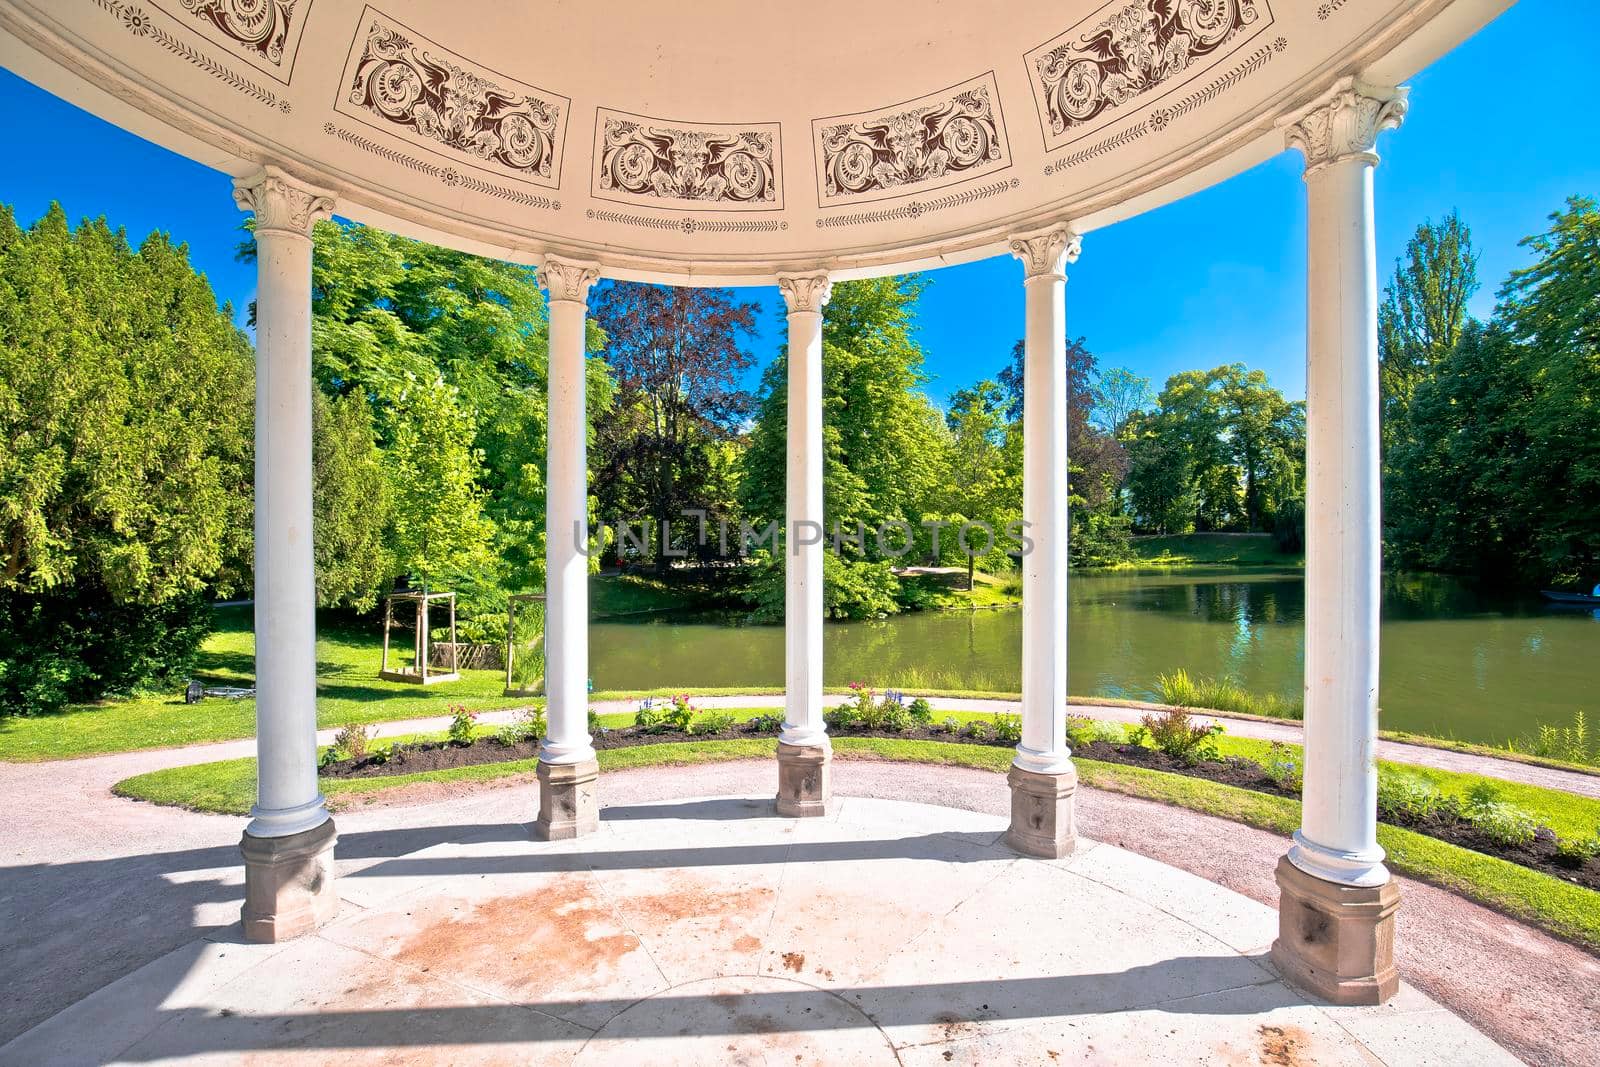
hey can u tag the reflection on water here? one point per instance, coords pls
(1456, 661)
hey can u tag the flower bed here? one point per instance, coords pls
(1168, 742)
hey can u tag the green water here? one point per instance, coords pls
(1457, 662)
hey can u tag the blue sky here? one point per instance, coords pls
(1216, 277)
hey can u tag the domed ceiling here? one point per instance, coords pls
(718, 139)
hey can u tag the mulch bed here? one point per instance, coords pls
(1446, 826)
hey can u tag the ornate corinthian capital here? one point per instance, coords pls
(282, 203)
(568, 279)
(1047, 252)
(1345, 124)
(805, 292)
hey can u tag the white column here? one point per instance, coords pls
(803, 531)
(287, 798)
(567, 519)
(1338, 840)
(1044, 258)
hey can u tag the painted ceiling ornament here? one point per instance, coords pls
(910, 147)
(724, 165)
(924, 144)
(1133, 47)
(568, 279)
(1047, 252)
(421, 88)
(1346, 123)
(805, 292)
(282, 203)
(261, 26)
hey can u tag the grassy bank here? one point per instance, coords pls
(1210, 550)
(1566, 910)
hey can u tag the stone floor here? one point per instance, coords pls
(712, 931)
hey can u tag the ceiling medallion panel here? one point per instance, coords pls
(1133, 53)
(398, 81)
(264, 33)
(704, 166)
(937, 140)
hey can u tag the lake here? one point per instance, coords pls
(1457, 661)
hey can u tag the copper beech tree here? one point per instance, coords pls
(678, 357)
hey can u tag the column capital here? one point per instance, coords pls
(805, 292)
(1345, 123)
(1047, 252)
(568, 279)
(282, 203)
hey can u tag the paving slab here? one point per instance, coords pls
(703, 930)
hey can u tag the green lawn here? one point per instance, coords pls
(348, 690)
(1211, 550)
(1565, 909)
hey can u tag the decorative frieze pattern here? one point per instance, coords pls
(137, 21)
(1327, 10)
(265, 33)
(1047, 252)
(688, 224)
(1346, 123)
(915, 209)
(1160, 118)
(805, 292)
(399, 82)
(714, 166)
(1085, 78)
(448, 176)
(935, 141)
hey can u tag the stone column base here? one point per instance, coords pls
(1042, 821)
(288, 884)
(1336, 941)
(804, 781)
(568, 806)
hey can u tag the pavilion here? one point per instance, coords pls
(724, 143)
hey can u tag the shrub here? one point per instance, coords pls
(594, 723)
(352, 740)
(1083, 731)
(978, 730)
(462, 723)
(714, 722)
(1139, 735)
(1576, 852)
(76, 645)
(1006, 728)
(770, 723)
(527, 725)
(1408, 795)
(680, 715)
(840, 718)
(921, 711)
(1283, 769)
(951, 725)
(894, 718)
(1180, 737)
(649, 718)
(1502, 823)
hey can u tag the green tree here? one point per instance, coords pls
(440, 532)
(352, 504)
(1499, 471)
(125, 407)
(1423, 312)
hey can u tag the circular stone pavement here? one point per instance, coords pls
(710, 930)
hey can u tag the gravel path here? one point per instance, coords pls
(92, 886)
